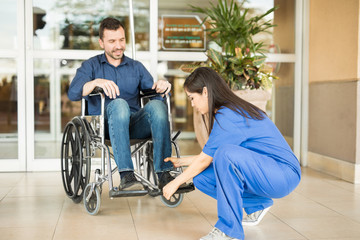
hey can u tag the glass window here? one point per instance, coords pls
(45, 147)
(284, 32)
(8, 109)
(283, 98)
(65, 24)
(69, 109)
(181, 110)
(8, 24)
(8, 96)
(42, 73)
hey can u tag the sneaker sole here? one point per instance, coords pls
(258, 220)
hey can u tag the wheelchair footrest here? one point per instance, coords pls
(115, 193)
(187, 188)
(183, 189)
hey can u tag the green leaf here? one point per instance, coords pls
(266, 68)
(239, 72)
(235, 60)
(189, 67)
(258, 60)
(215, 56)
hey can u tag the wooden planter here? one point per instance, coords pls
(257, 97)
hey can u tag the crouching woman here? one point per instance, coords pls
(245, 163)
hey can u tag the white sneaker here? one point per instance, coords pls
(254, 218)
(217, 234)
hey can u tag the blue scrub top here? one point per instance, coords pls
(260, 136)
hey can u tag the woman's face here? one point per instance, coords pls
(199, 101)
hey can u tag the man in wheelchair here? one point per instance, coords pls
(122, 79)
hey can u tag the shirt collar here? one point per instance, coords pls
(124, 61)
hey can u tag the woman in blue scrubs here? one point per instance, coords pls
(246, 161)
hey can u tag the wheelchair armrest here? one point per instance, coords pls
(97, 91)
(148, 93)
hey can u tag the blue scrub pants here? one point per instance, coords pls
(240, 178)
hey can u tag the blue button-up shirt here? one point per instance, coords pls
(130, 76)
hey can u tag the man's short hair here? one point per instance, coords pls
(109, 24)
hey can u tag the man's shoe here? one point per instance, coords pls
(254, 218)
(130, 183)
(217, 234)
(165, 178)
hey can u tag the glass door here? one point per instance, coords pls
(64, 34)
(12, 109)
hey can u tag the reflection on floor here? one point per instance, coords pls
(33, 206)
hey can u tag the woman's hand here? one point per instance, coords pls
(175, 161)
(170, 189)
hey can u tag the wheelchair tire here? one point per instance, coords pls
(75, 159)
(174, 201)
(77, 199)
(92, 200)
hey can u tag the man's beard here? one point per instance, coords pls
(116, 57)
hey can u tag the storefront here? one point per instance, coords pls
(44, 42)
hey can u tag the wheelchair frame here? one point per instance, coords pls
(83, 135)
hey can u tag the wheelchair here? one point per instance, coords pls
(84, 136)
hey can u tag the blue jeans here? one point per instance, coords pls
(151, 121)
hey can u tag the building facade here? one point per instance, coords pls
(314, 51)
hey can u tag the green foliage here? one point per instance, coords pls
(242, 61)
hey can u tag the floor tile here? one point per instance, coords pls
(30, 211)
(325, 227)
(4, 191)
(34, 206)
(28, 233)
(10, 179)
(271, 228)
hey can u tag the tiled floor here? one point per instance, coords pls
(34, 206)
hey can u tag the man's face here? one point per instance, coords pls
(113, 43)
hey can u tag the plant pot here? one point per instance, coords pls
(257, 97)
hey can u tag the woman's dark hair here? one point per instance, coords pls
(219, 95)
(110, 24)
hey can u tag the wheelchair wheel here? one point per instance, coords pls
(174, 201)
(75, 159)
(92, 199)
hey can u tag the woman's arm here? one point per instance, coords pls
(197, 164)
(179, 162)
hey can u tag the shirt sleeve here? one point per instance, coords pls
(227, 129)
(83, 75)
(146, 80)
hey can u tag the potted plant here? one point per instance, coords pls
(239, 59)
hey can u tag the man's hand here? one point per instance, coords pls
(162, 86)
(110, 88)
